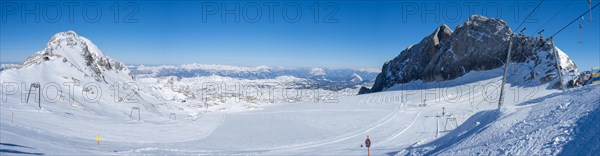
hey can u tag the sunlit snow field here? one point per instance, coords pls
(397, 121)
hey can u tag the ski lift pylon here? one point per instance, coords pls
(39, 88)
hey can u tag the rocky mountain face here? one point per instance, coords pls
(80, 53)
(480, 43)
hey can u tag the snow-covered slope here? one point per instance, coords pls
(394, 120)
(561, 123)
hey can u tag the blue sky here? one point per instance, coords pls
(346, 34)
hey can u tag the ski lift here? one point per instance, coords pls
(521, 32)
(138, 110)
(541, 37)
(173, 116)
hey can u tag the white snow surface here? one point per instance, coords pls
(561, 123)
(394, 120)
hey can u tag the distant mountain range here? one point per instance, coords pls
(327, 78)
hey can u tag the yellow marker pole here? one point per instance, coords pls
(97, 139)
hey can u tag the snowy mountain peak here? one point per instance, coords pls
(78, 52)
(317, 72)
(63, 35)
(71, 40)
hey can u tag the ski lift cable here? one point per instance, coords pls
(527, 17)
(573, 21)
(554, 16)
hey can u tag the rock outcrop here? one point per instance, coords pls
(481, 43)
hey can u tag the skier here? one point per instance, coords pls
(368, 144)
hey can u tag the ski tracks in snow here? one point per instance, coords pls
(400, 132)
(381, 122)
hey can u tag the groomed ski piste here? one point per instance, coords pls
(407, 119)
